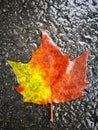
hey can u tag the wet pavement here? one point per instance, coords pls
(73, 26)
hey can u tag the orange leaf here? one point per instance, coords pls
(50, 76)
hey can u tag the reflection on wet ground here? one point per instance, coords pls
(73, 26)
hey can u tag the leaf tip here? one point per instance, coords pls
(19, 89)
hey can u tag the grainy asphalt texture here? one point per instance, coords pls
(73, 26)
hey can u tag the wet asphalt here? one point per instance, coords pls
(73, 26)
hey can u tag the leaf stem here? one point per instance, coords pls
(51, 112)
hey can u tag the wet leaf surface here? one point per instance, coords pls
(50, 76)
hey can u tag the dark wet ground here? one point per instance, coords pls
(73, 25)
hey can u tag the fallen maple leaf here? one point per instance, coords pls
(50, 76)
